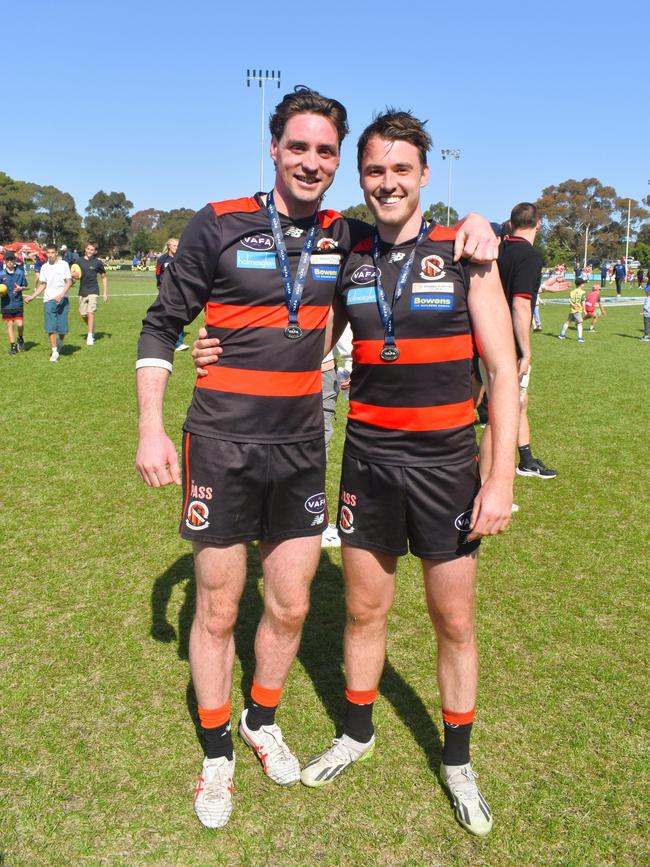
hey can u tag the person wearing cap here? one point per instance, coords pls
(67, 255)
(577, 298)
(13, 277)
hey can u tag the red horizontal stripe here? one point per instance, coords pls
(268, 383)
(415, 351)
(414, 418)
(233, 316)
(458, 718)
(247, 205)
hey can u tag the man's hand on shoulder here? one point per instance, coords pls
(156, 460)
(206, 350)
(475, 240)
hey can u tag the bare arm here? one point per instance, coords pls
(475, 240)
(522, 316)
(61, 295)
(104, 288)
(156, 459)
(336, 323)
(492, 325)
(39, 287)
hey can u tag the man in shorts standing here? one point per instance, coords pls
(91, 268)
(54, 280)
(253, 442)
(409, 476)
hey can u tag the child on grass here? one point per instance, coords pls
(593, 307)
(576, 309)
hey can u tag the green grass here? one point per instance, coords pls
(99, 755)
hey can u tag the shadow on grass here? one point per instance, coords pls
(321, 648)
(629, 336)
(69, 349)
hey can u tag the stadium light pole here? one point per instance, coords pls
(449, 154)
(627, 235)
(262, 76)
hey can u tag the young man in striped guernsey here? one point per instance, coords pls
(410, 476)
(253, 443)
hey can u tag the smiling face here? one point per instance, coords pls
(306, 159)
(391, 178)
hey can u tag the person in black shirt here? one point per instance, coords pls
(91, 267)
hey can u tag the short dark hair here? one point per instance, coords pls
(524, 216)
(51, 247)
(304, 100)
(395, 125)
(91, 244)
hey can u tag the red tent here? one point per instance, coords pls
(24, 247)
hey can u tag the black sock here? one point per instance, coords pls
(525, 454)
(217, 742)
(358, 722)
(259, 715)
(456, 748)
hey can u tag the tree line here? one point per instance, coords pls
(578, 217)
(47, 215)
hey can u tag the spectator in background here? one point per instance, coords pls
(13, 277)
(67, 255)
(619, 276)
(91, 267)
(54, 281)
(646, 311)
(603, 275)
(162, 263)
(639, 277)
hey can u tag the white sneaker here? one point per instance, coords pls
(90, 340)
(515, 508)
(54, 356)
(329, 765)
(472, 810)
(181, 347)
(279, 763)
(330, 537)
(213, 796)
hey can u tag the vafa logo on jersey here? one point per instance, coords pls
(259, 241)
(364, 275)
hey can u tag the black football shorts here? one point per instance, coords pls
(394, 509)
(238, 492)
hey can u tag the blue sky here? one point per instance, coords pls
(155, 104)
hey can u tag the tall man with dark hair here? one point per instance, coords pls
(520, 268)
(253, 443)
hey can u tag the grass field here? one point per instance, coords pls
(99, 756)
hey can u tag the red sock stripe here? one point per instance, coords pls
(215, 717)
(264, 696)
(458, 718)
(361, 696)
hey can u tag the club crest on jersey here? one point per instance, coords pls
(346, 520)
(432, 267)
(258, 242)
(316, 503)
(463, 521)
(197, 516)
(364, 275)
(294, 232)
(396, 257)
(327, 244)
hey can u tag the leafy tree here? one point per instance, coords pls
(108, 221)
(53, 216)
(15, 204)
(641, 251)
(142, 241)
(438, 212)
(359, 212)
(149, 220)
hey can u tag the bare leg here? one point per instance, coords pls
(370, 589)
(289, 568)
(220, 576)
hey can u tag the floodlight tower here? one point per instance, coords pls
(449, 154)
(262, 76)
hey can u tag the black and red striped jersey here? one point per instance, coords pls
(417, 410)
(265, 387)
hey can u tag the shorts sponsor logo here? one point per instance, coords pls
(364, 275)
(361, 295)
(258, 242)
(318, 520)
(197, 516)
(294, 232)
(432, 267)
(327, 244)
(463, 521)
(266, 261)
(324, 272)
(346, 520)
(430, 301)
(200, 492)
(315, 504)
(348, 499)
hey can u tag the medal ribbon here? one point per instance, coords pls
(292, 289)
(386, 310)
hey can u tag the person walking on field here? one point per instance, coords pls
(13, 277)
(91, 269)
(54, 280)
